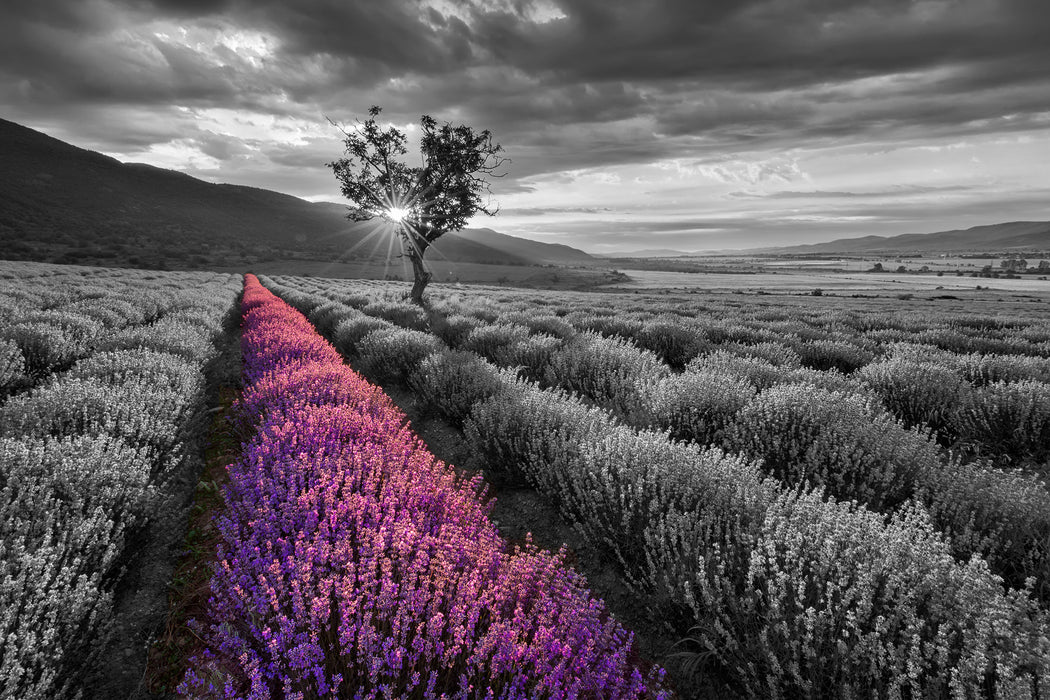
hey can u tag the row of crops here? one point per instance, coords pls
(773, 484)
(101, 389)
(353, 563)
(831, 503)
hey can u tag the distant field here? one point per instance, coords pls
(795, 280)
(444, 272)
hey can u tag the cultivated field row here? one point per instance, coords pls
(805, 426)
(354, 564)
(790, 590)
(103, 379)
(827, 502)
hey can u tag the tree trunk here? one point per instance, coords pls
(419, 272)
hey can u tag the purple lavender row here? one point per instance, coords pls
(353, 564)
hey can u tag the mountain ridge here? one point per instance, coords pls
(1010, 236)
(65, 203)
(1006, 237)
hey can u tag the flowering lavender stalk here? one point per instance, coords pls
(354, 564)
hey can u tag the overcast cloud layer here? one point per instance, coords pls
(689, 124)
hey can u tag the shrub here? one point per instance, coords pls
(767, 579)
(919, 393)
(44, 347)
(83, 461)
(607, 326)
(61, 538)
(322, 383)
(400, 313)
(355, 300)
(348, 333)
(533, 354)
(806, 435)
(546, 324)
(496, 342)
(455, 328)
(170, 336)
(391, 354)
(506, 430)
(962, 343)
(330, 314)
(454, 382)
(838, 603)
(300, 300)
(1008, 420)
(825, 354)
(776, 354)
(611, 372)
(1002, 515)
(759, 372)
(482, 313)
(136, 410)
(698, 405)
(80, 329)
(673, 342)
(12, 366)
(831, 379)
(985, 369)
(160, 369)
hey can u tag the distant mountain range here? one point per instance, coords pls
(60, 202)
(1011, 237)
(652, 253)
(1015, 236)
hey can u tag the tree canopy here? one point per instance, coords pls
(423, 202)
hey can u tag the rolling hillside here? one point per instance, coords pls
(1015, 236)
(62, 203)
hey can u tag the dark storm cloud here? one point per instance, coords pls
(694, 67)
(564, 85)
(389, 37)
(183, 8)
(762, 74)
(763, 43)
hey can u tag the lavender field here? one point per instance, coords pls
(730, 495)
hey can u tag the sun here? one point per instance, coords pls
(397, 214)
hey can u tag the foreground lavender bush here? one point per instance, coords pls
(354, 564)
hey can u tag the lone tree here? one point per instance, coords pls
(425, 202)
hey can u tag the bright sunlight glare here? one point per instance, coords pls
(397, 214)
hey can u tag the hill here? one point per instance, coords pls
(63, 203)
(650, 253)
(1015, 236)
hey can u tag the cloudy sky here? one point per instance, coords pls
(689, 124)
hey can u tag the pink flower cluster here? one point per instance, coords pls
(353, 564)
